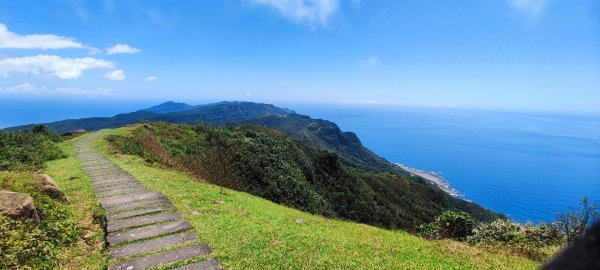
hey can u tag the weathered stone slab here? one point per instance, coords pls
(111, 183)
(117, 187)
(137, 212)
(120, 191)
(127, 198)
(17, 205)
(210, 264)
(139, 221)
(152, 245)
(115, 208)
(162, 258)
(146, 232)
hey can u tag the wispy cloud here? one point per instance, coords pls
(115, 75)
(313, 12)
(371, 62)
(532, 7)
(10, 40)
(20, 89)
(150, 79)
(82, 91)
(28, 88)
(63, 68)
(122, 48)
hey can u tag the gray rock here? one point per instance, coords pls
(152, 245)
(147, 232)
(137, 212)
(162, 258)
(17, 206)
(139, 221)
(54, 193)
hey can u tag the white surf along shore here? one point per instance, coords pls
(432, 177)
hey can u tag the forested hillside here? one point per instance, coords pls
(269, 164)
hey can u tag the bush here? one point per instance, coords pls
(536, 242)
(28, 150)
(454, 224)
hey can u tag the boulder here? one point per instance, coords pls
(50, 187)
(54, 193)
(47, 180)
(17, 206)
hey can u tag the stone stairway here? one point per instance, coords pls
(143, 228)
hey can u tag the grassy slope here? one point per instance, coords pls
(87, 254)
(248, 232)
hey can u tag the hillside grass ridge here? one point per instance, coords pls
(247, 232)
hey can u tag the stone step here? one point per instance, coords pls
(138, 212)
(210, 264)
(139, 221)
(152, 245)
(130, 206)
(121, 191)
(127, 198)
(162, 258)
(117, 187)
(112, 183)
(147, 232)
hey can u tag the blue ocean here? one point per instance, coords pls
(526, 165)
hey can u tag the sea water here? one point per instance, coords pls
(526, 165)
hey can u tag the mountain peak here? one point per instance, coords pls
(169, 107)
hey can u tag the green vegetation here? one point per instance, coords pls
(25, 243)
(268, 164)
(536, 242)
(70, 235)
(28, 150)
(574, 222)
(247, 232)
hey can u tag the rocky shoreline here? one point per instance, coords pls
(432, 177)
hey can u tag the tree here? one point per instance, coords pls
(455, 224)
(574, 222)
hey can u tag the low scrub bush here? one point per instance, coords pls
(28, 150)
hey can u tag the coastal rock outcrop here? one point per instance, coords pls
(17, 206)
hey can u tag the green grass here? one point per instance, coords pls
(70, 235)
(247, 232)
(68, 173)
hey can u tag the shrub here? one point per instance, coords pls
(28, 150)
(454, 224)
(536, 242)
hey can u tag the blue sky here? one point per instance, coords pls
(508, 54)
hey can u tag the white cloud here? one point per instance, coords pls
(371, 62)
(150, 78)
(122, 48)
(82, 91)
(115, 75)
(63, 68)
(21, 88)
(533, 7)
(10, 40)
(314, 12)
(28, 88)
(248, 94)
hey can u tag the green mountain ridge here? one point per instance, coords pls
(382, 185)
